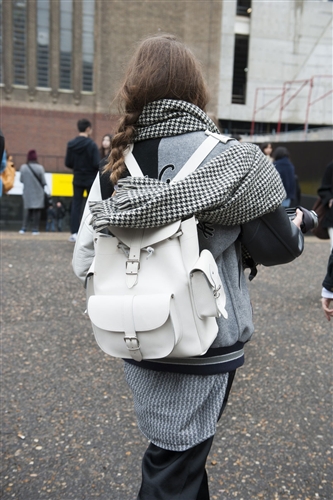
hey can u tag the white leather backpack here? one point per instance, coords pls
(150, 293)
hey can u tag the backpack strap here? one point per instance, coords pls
(192, 163)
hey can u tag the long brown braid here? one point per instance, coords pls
(161, 68)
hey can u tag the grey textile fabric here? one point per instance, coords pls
(176, 411)
(33, 192)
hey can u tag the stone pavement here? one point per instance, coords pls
(68, 427)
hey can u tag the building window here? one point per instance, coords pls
(88, 8)
(1, 53)
(43, 42)
(19, 42)
(66, 44)
(244, 8)
(240, 69)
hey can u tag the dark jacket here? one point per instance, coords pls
(328, 281)
(287, 173)
(326, 194)
(82, 157)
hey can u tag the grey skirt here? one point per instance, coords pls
(176, 411)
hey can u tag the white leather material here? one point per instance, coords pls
(165, 317)
(148, 236)
(150, 295)
(148, 312)
(207, 290)
(147, 318)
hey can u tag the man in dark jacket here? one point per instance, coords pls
(82, 157)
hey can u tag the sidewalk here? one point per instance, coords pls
(69, 430)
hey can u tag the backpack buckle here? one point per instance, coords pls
(132, 266)
(133, 345)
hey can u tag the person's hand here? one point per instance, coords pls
(299, 218)
(330, 203)
(328, 311)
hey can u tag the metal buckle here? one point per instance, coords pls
(131, 339)
(133, 261)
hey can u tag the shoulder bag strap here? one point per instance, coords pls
(192, 163)
(32, 170)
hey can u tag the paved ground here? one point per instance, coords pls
(68, 426)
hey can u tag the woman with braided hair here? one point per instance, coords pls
(163, 100)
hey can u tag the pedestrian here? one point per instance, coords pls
(286, 170)
(163, 98)
(2, 168)
(82, 156)
(50, 218)
(60, 213)
(266, 148)
(326, 194)
(327, 290)
(32, 175)
(105, 148)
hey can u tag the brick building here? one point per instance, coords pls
(63, 60)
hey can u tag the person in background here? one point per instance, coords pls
(326, 194)
(33, 179)
(286, 170)
(2, 168)
(83, 157)
(105, 148)
(266, 148)
(3, 157)
(60, 213)
(50, 216)
(327, 290)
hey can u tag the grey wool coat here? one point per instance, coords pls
(33, 190)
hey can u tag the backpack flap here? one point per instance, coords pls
(148, 236)
(134, 326)
(207, 289)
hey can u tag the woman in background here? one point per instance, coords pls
(33, 179)
(105, 148)
(266, 148)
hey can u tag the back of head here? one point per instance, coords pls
(32, 155)
(280, 152)
(161, 68)
(83, 124)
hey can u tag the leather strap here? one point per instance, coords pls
(192, 163)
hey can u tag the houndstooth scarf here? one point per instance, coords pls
(236, 186)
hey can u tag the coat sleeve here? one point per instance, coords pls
(272, 239)
(42, 176)
(326, 189)
(69, 159)
(96, 157)
(84, 250)
(328, 280)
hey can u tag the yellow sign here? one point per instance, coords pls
(62, 185)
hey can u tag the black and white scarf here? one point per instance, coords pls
(235, 187)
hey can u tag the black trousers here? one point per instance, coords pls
(77, 206)
(178, 475)
(33, 214)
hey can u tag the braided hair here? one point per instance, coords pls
(161, 68)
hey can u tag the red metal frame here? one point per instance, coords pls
(284, 104)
